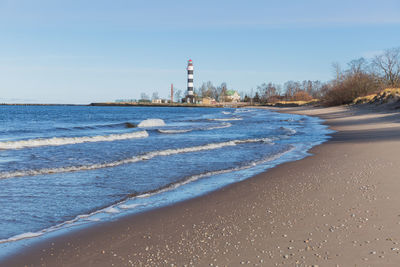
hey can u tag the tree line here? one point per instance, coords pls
(361, 77)
(207, 89)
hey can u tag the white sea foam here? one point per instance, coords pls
(143, 195)
(151, 123)
(226, 112)
(289, 130)
(213, 127)
(128, 206)
(220, 126)
(111, 210)
(241, 110)
(21, 236)
(94, 219)
(174, 131)
(59, 141)
(212, 173)
(146, 156)
(227, 119)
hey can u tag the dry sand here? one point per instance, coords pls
(340, 207)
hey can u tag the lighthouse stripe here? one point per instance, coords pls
(190, 76)
(190, 71)
(190, 67)
(190, 85)
(190, 80)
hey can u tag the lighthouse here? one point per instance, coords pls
(190, 95)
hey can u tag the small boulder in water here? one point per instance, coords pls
(152, 123)
(129, 125)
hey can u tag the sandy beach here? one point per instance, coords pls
(338, 207)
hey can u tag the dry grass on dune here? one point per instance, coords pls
(385, 96)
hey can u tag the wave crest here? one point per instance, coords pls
(289, 131)
(151, 123)
(59, 141)
(123, 205)
(146, 156)
(177, 131)
(227, 119)
(220, 126)
(171, 131)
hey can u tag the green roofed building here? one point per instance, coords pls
(232, 96)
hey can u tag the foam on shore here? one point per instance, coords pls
(117, 208)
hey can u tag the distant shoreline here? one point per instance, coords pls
(125, 104)
(217, 105)
(131, 105)
(29, 104)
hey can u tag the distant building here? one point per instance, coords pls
(208, 101)
(160, 101)
(232, 96)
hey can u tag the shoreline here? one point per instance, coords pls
(279, 216)
(112, 104)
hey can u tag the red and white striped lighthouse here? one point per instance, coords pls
(190, 95)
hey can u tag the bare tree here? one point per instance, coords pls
(178, 95)
(144, 96)
(155, 96)
(313, 88)
(337, 71)
(388, 66)
(357, 66)
(262, 92)
(204, 90)
(208, 90)
(291, 88)
(221, 92)
(266, 91)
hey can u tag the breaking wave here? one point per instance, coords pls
(166, 131)
(212, 173)
(288, 130)
(177, 131)
(227, 119)
(122, 205)
(221, 126)
(146, 156)
(59, 141)
(151, 123)
(99, 126)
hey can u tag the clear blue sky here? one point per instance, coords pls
(79, 51)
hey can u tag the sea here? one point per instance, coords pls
(67, 167)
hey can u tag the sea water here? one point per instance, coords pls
(66, 166)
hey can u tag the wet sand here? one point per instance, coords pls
(339, 207)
